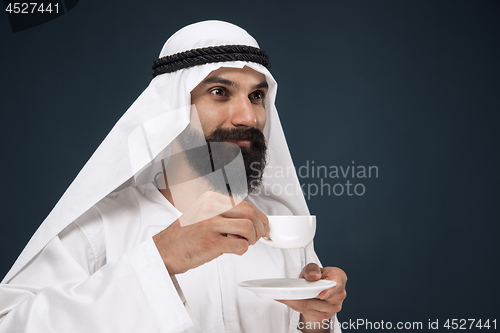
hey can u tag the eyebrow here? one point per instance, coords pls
(218, 79)
(226, 82)
(262, 85)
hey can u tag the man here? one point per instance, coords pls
(118, 254)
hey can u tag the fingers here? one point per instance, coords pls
(312, 304)
(332, 294)
(311, 272)
(246, 210)
(233, 244)
(211, 227)
(237, 227)
(211, 205)
(338, 275)
(313, 309)
(325, 294)
(335, 274)
(264, 220)
(337, 294)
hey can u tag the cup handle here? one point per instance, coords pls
(267, 241)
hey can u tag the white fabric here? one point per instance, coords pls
(64, 278)
(68, 286)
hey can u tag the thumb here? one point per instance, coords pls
(311, 272)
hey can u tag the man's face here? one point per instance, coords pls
(230, 106)
(231, 98)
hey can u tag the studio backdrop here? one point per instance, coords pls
(390, 110)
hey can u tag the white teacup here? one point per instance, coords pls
(290, 232)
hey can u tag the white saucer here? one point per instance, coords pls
(287, 289)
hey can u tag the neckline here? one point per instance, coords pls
(154, 194)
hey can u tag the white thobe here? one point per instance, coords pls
(103, 273)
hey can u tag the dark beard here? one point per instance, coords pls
(254, 156)
(222, 153)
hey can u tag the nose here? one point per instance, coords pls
(243, 114)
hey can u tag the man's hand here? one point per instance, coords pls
(204, 239)
(326, 304)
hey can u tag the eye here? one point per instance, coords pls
(218, 92)
(257, 96)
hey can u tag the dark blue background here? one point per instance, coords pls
(409, 86)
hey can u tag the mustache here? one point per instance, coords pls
(234, 134)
